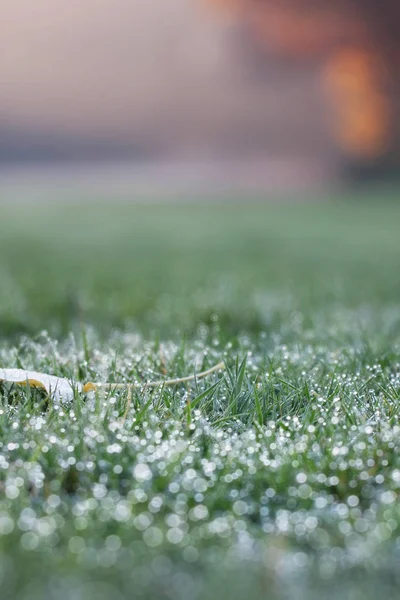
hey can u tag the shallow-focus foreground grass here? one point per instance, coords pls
(278, 478)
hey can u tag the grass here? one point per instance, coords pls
(277, 478)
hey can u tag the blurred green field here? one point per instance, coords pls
(165, 268)
(277, 478)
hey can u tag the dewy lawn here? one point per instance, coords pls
(278, 477)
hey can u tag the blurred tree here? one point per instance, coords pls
(356, 44)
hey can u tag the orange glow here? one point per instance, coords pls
(352, 74)
(353, 79)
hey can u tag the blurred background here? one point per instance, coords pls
(263, 94)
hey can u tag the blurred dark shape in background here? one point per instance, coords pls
(237, 91)
(356, 46)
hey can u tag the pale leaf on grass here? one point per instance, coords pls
(60, 389)
(57, 388)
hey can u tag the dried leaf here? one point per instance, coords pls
(57, 388)
(60, 389)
